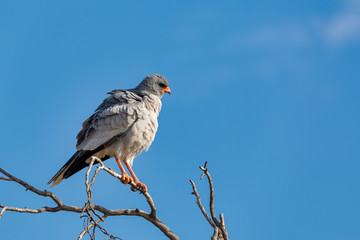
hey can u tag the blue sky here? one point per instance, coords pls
(267, 92)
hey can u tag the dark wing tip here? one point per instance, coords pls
(112, 92)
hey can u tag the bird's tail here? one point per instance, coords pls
(75, 164)
(78, 160)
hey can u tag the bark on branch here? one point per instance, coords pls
(220, 231)
(92, 210)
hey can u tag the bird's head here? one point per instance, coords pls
(155, 84)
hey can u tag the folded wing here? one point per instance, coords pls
(113, 117)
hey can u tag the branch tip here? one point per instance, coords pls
(220, 231)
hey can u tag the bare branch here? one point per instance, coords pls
(2, 210)
(89, 207)
(31, 188)
(215, 235)
(89, 227)
(91, 211)
(212, 195)
(118, 176)
(223, 227)
(198, 201)
(220, 231)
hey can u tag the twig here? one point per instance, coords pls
(2, 210)
(212, 195)
(215, 235)
(222, 226)
(88, 207)
(87, 229)
(198, 201)
(5, 179)
(220, 231)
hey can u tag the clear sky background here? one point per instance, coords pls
(266, 91)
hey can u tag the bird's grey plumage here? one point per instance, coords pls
(122, 126)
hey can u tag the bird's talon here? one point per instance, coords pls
(142, 187)
(139, 186)
(126, 179)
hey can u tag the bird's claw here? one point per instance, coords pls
(139, 186)
(125, 179)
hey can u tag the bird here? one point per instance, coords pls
(123, 125)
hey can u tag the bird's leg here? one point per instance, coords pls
(140, 185)
(125, 178)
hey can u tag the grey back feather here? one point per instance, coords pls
(116, 113)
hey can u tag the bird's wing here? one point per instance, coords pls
(113, 117)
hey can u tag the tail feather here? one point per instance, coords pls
(78, 160)
(75, 164)
(79, 164)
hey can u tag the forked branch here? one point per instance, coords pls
(220, 231)
(90, 211)
(94, 214)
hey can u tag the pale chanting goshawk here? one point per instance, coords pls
(123, 126)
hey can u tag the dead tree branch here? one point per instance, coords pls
(92, 211)
(220, 231)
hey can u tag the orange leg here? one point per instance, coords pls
(125, 178)
(142, 187)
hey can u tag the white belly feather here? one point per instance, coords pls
(138, 138)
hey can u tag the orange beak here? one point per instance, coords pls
(166, 90)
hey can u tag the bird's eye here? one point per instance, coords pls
(162, 85)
